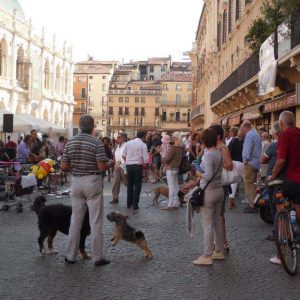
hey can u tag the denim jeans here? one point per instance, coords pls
(134, 177)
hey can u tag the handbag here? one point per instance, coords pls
(229, 177)
(197, 197)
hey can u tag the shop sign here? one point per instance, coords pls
(280, 104)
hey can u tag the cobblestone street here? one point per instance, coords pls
(245, 274)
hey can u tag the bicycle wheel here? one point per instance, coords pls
(285, 243)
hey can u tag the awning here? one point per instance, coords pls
(19, 124)
(235, 119)
(25, 123)
(253, 112)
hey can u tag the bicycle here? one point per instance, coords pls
(286, 234)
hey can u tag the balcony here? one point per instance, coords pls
(242, 74)
(134, 92)
(175, 103)
(79, 110)
(198, 111)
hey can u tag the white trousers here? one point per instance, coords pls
(172, 178)
(86, 192)
(240, 168)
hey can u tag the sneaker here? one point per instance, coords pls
(101, 262)
(70, 262)
(114, 201)
(270, 237)
(275, 260)
(218, 256)
(203, 261)
(250, 210)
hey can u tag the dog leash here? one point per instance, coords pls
(135, 212)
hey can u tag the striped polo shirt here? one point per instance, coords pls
(83, 151)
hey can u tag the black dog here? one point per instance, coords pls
(57, 217)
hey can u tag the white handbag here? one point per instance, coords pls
(229, 177)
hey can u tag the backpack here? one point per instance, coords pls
(185, 165)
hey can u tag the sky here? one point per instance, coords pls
(121, 30)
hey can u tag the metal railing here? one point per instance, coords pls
(134, 92)
(198, 111)
(243, 73)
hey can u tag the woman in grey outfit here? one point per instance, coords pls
(212, 165)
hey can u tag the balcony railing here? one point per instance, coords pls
(79, 110)
(134, 92)
(198, 111)
(243, 73)
(295, 30)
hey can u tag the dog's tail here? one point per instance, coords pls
(139, 235)
(38, 203)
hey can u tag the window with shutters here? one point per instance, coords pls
(136, 111)
(120, 111)
(143, 111)
(111, 110)
(120, 99)
(219, 28)
(224, 26)
(230, 7)
(126, 111)
(157, 111)
(237, 10)
(137, 99)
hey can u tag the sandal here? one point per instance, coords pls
(231, 203)
(226, 248)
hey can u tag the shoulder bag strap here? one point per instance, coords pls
(214, 174)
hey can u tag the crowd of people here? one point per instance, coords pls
(31, 148)
(253, 154)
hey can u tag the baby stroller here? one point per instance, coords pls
(22, 186)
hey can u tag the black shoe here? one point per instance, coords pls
(101, 262)
(250, 210)
(70, 262)
(135, 208)
(129, 205)
(270, 238)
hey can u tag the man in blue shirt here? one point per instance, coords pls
(251, 158)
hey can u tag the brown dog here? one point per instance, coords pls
(128, 233)
(164, 190)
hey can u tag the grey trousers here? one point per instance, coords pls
(211, 220)
(86, 192)
(119, 177)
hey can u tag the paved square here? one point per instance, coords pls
(246, 273)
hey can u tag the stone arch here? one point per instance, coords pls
(57, 79)
(3, 57)
(47, 74)
(66, 82)
(46, 115)
(56, 118)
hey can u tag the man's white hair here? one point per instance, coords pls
(287, 118)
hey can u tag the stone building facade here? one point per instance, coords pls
(225, 72)
(36, 77)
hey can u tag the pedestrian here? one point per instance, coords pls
(119, 174)
(59, 147)
(85, 156)
(227, 165)
(212, 165)
(35, 145)
(108, 151)
(11, 148)
(227, 135)
(23, 153)
(172, 164)
(288, 154)
(265, 143)
(235, 148)
(135, 155)
(269, 157)
(193, 147)
(251, 158)
(165, 147)
(156, 158)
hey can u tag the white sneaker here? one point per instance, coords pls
(218, 256)
(203, 261)
(275, 260)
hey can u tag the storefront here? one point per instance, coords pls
(288, 102)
